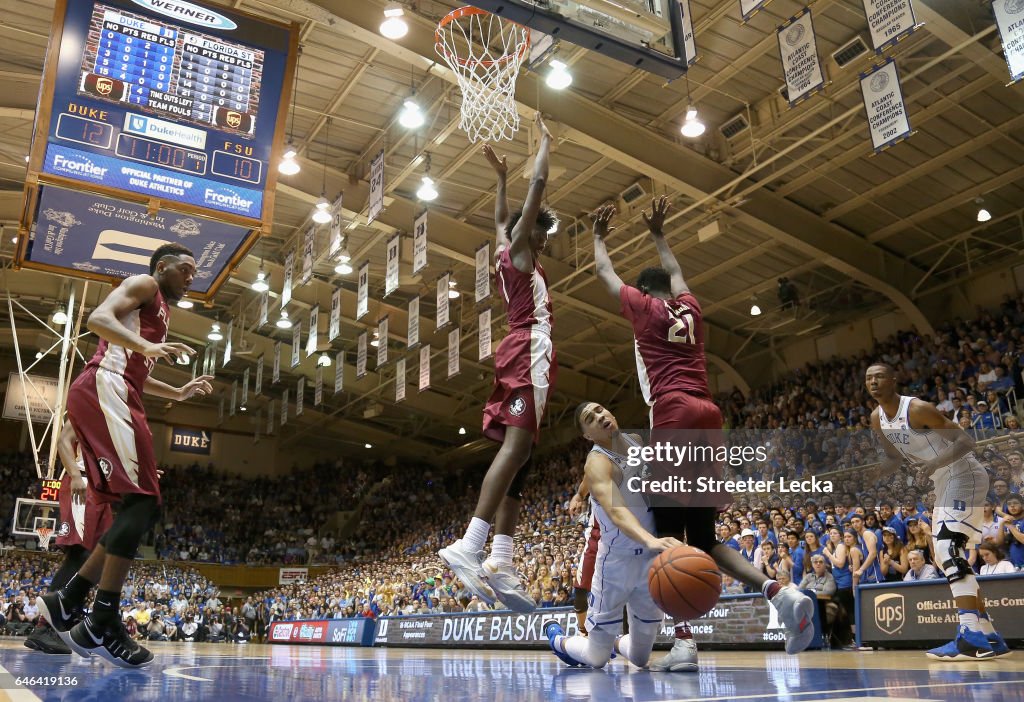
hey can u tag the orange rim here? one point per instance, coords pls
(461, 12)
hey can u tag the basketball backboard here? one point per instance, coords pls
(653, 35)
(31, 517)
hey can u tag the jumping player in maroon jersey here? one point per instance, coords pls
(524, 375)
(668, 327)
(105, 408)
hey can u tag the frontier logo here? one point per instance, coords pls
(890, 613)
(232, 200)
(78, 166)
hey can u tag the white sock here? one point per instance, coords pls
(476, 534)
(969, 618)
(501, 549)
(985, 624)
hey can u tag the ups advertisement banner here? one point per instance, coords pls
(922, 613)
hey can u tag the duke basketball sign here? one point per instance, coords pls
(191, 441)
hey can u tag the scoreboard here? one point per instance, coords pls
(167, 103)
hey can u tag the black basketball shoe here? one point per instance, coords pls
(109, 641)
(59, 611)
(44, 638)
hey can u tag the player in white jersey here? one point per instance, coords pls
(915, 431)
(624, 554)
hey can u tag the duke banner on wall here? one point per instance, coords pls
(799, 49)
(391, 266)
(188, 440)
(419, 244)
(400, 380)
(376, 187)
(888, 121)
(1010, 20)
(361, 356)
(286, 290)
(363, 291)
(41, 393)
(413, 335)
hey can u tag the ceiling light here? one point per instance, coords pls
(184, 360)
(260, 285)
(553, 229)
(462, 431)
(60, 317)
(559, 77)
(411, 116)
(393, 26)
(343, 268)
(185, 304)
(375, 343)
(427, 191)
(369, 446)
(283, 322)
(452, 292)
(242, 408)
(755, 310)
(692, 127)
(983, 214)
(322, 213)
(324, 361)
(215, 334)
(289, 164)
(39, 354)
(26, 159)
(344, 256)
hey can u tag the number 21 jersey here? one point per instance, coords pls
(669, 340)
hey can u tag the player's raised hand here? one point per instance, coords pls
(656, 220)
(601, 219)
(663, 544)
(544, 133)
(169, 351)
(200, 386)
(500, 166)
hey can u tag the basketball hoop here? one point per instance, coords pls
(485, 52)
(44, 534)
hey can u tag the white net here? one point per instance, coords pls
(485, 52)
(44, 534)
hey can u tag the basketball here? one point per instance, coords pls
(684, 582)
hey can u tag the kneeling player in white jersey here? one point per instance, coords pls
(916, 431)
(624, 553)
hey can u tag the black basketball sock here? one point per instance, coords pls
(77, 590)
(107, 606)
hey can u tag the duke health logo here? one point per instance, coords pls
(187, 12)
(890, 613)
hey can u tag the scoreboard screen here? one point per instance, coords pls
(168, 99)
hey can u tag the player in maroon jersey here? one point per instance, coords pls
(668, 327)
(106, 411)
(524, 375)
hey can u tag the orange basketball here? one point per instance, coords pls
(684, 582)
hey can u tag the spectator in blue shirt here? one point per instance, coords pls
(892, 520)
(1013, 528)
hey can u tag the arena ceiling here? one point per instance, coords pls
(796, 193)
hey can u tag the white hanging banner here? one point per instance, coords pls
(339, 372)
(391, 268)
(259, 423)
(400, 379)
(453, 352)
(376, 187)
(799, 49)
(414, 322)
(300, 392)
(336, 232)
(264, 309)
(335, 328)
(361, 356)
(442, 300)
(227, 342)
(296, 344)
(483, 272)
(245, 387)
(424, 367)
(419, 244)
(318, 390)
(889, 21)
(382, 341)
(686, 21)
(308, 243)
(314, 324)
(276, 378)
(271, 416)
(484, 334)
(888, 120)
(749, 8)
(284, 407)
(234, 397)
(286, 291)
(1010, 20)
(258, 390)
(363, 295)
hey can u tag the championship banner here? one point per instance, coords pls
(258, 390)
(271, 415)
(419, 244)
(245, 387)
(363, 294)
(442, 301)
(209, 361)
(799, 49)
(400, 380)
(339, 372)
(888, 121)
(40, 393)
(227, 342)
(382, 341)
(334, 330)
(234, 398)
(889, 21)
(276, 378)
(686, 22)
(483, 272)
(300, 393)
(424, 367)
(336, 233)
(286, 291)
(318, 389)
(749, 8)
(376, 187)
(264, 308)
(259, 423)
(453, 353)
(308, 243)
(196, 441)
(284, 407)
(1010, 20)
(391, 268)
(314, 323)
(484, 334)
(220, 409)
(296, 344)
(361, 356)
(414, 322)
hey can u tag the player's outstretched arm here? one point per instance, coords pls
(66, 451)
(655, 225)
(923, 415)
(893, 458)
(500, 167)
(606, 492)
(520, 234)
(200, 386)
(602, 261)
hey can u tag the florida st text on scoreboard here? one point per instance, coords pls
(168, 100)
